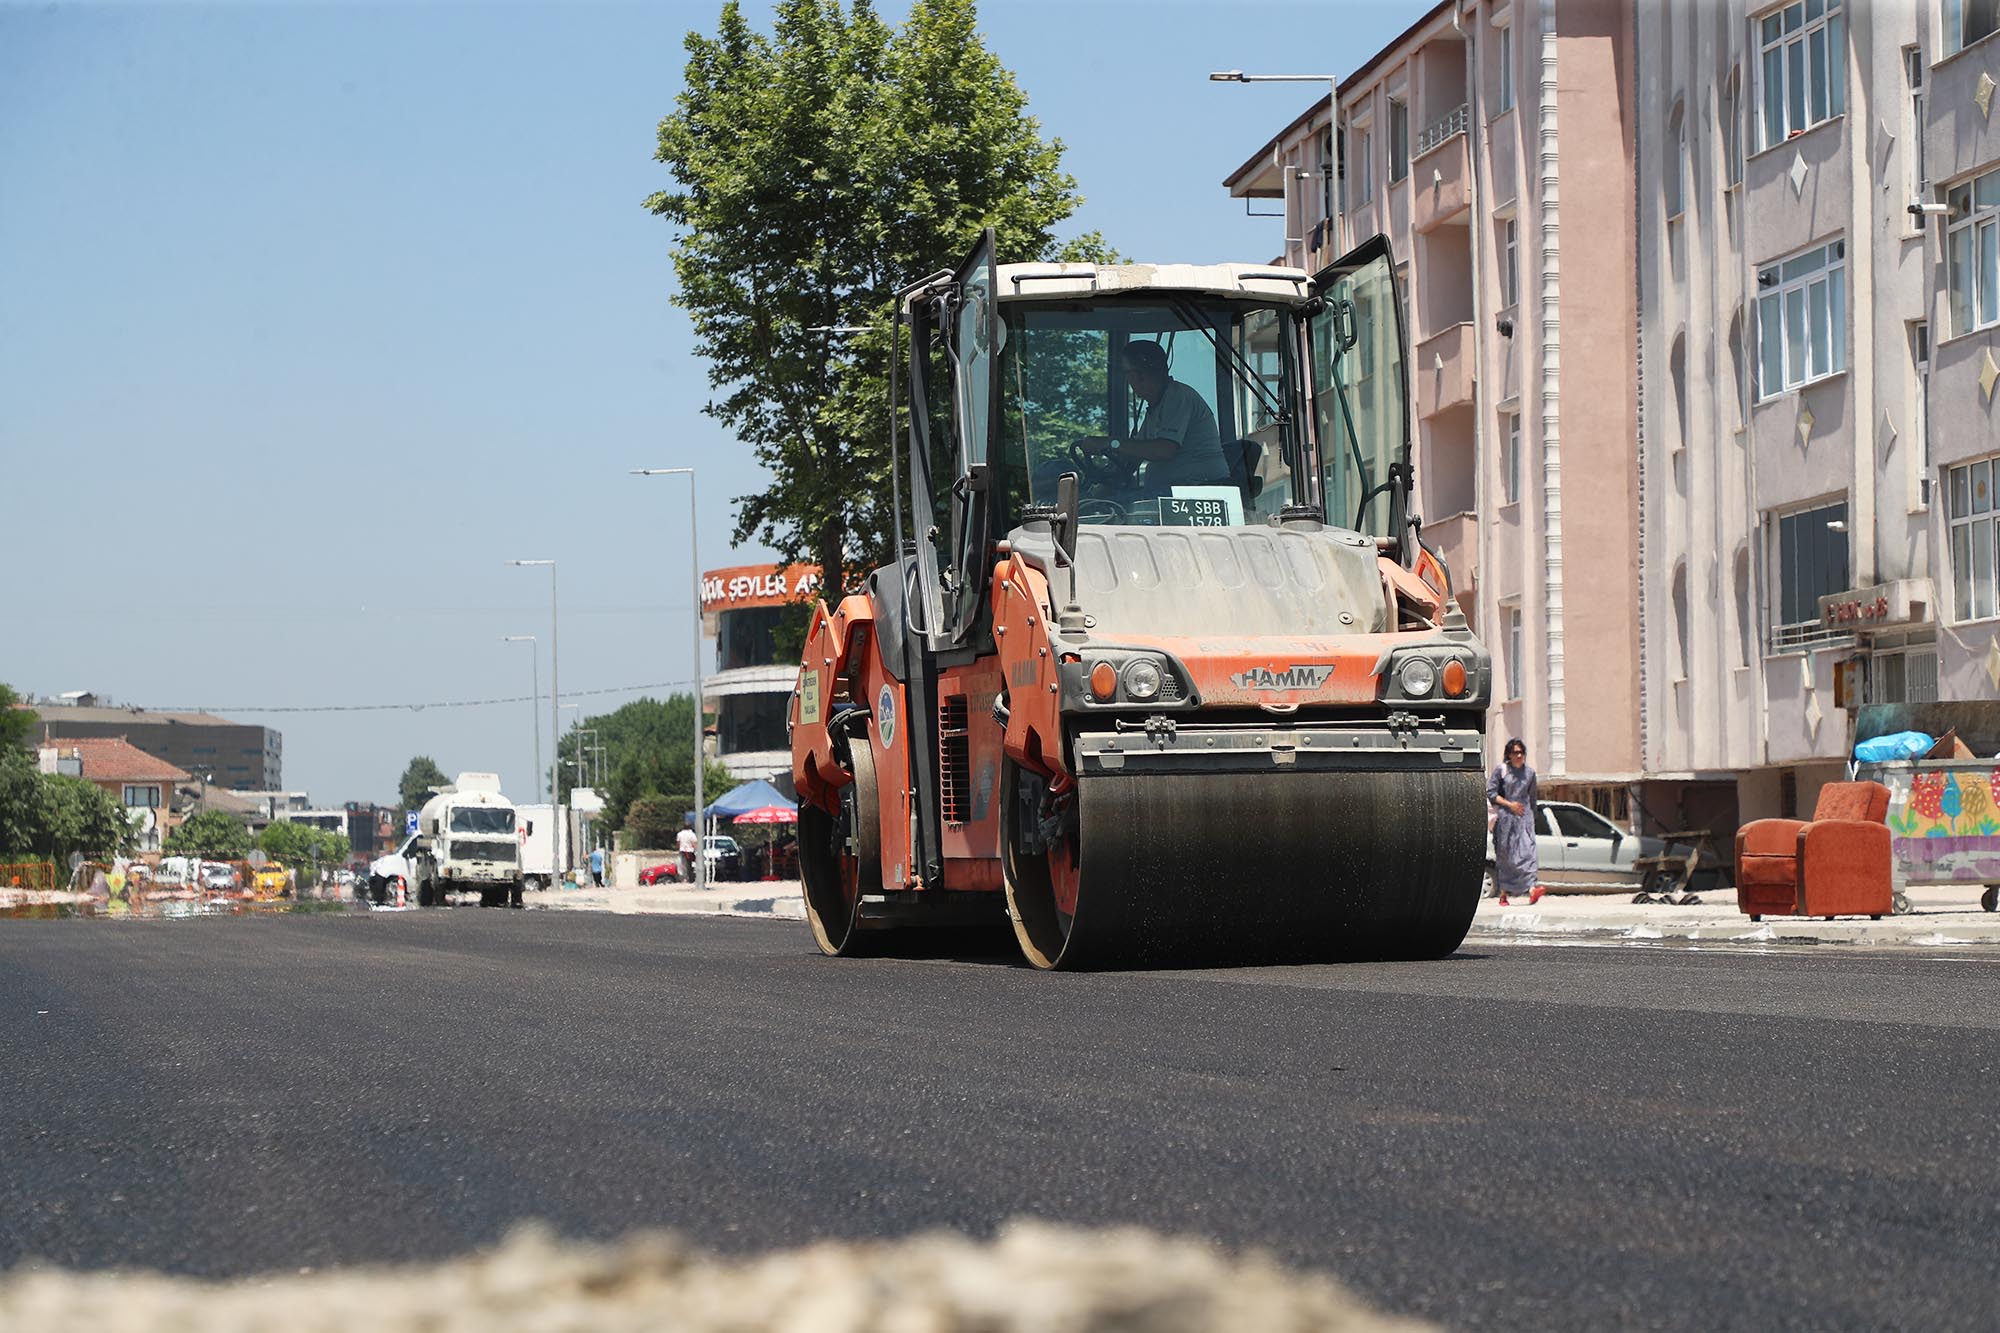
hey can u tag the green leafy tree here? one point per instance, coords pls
(300, 845)
(17, 723)
(649, 751)
(419, 776)
(79, 816)
(210, 833)
(814, 170)
(653, 822)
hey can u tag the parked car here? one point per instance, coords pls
(219, 878)
(1576, 845)
(724, 855)
(268, 880)
(658, 874)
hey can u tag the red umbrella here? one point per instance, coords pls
(769, 814)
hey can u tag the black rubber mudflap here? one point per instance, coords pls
(1193, 869)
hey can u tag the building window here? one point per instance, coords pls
(142, 796)
(1510, 456)
(1363, 175)
(1514, 672)
(1903, 677)
(1803, 68)
(1802, 318)
(1677, 169)
(1745, 636)
(1503, 94)
(1969, 21)
(1327, 172)
(1399, 139)
(1682, 632)
(1510, 263)
(1913, 129)
(1677, 362)
(1973, 241)
(1970, 490)
(1920, 399)
(1739, 368)
(1812, 563)
(1732, 127)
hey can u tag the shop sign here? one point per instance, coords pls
(1897, 604)
(757, 585)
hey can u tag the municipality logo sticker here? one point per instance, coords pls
(885, 715)
(1287, 678)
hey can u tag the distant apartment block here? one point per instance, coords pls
(224, 753)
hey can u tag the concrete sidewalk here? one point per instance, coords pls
(1939, 917)
(778, 898)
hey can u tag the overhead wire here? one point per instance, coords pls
(419, 707)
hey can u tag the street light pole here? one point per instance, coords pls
(535, 703)
(694, 556)
(555, 684)
(1332, 82)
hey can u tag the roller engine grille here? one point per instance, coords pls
(954, 761)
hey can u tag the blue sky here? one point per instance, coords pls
(311, 317)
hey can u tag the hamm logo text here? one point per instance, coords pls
(1291, 678)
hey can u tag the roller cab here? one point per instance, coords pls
(1165, 674)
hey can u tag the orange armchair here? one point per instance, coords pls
(1835, 865)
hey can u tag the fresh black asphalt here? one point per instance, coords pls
(1514, 1137)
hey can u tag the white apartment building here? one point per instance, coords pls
(1816, 425)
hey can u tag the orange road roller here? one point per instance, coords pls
(1164, 674)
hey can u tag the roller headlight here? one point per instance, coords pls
(1417, 676)
(1142, 679)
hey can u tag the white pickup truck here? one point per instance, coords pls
(467, 838)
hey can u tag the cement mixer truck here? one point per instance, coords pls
(468, 838)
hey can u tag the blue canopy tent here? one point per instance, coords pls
(750, 796)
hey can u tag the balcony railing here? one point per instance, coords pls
(1455, 121)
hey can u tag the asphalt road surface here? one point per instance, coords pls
(1514, 1137)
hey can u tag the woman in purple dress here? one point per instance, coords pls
(1511, 791)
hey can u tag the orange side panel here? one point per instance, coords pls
(1033, 737)
(970, 803)
(887, 703)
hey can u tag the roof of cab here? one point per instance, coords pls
(1027, 281)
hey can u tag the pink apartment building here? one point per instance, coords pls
(1494, 144)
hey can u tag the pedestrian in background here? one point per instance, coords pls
(689, 845)
(1512, 795)
(597, 866)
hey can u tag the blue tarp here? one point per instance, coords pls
(750, 796)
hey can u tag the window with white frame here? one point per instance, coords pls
(1802, 68)
(1361, 177)
(1919, 337)
(1973, 241)
(1677, 167)
(1399, 139)
(1510, 263)
(1503, 90)
(1801, 318)
(1913, 125)
(1811, 563)
(1510, 457)
(1969, 490)
(1514, 650)
(1903, 676)
(1968, 21)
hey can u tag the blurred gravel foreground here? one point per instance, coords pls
(1032, 1277)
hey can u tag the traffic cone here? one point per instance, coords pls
(402, 892)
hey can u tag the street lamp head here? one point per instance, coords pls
(517, 638)
(526, 563)
(662, 471)
(1226, 76)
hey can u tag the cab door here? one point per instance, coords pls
(975, 339)
(1358, 356)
